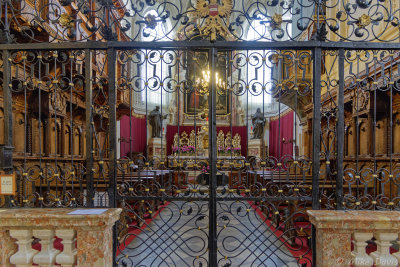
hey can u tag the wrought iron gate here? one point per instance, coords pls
(217, 208)
(178, 210)
(209, 194)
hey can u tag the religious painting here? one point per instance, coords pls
(196, 91)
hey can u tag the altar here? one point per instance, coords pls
(193, 141)
(196, 143)
(189, 151)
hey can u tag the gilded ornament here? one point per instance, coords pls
(364, 21)
(66, 20)
(276, 21)
(58, 101)
(213, 13)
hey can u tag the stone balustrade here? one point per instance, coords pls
(336, 231)
(86, 239)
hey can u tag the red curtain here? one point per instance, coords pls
(173, 129)
(138, 133)
(279, 130)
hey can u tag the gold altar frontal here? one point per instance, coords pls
(196, 162)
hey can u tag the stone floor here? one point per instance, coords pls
(178, 236)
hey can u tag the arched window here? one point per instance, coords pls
(154, 70)
(258, 72)
(258, 29)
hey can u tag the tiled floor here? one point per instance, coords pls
(178, 237)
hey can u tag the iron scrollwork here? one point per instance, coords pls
(77, 20)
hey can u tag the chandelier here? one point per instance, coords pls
(202, 84)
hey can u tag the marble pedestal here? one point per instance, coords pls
(93, 234)
(255, 147)
(336, 230)
(155, 147)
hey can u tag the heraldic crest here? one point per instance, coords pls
(213, 13)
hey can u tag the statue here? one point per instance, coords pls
(240, 112)
(172, 111)
(258, 121)
(155, 119)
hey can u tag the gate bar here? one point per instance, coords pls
(340, 134)
(112, 128)
(212, 118)
(316, 136)
(89, 128)
(244, 45)
(316, 140)
(7, 150)
(112, 141)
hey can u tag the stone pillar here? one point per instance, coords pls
(67, 257)
(336, 248)
(47, 255)
(255, 147)
(95, 247)
(25, 253)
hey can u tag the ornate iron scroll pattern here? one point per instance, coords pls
(327, 157)
(100, 130)
(370, 170)
(51, 95)
(268, 194)
(166, 216)
(106, 20)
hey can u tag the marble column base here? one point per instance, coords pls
(156, 147)
(255, 147)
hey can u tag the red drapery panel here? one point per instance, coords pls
(284, 126)
(173, 129)
(138, 131)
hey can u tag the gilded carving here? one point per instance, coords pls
(212, 12)
(58, 101)
(276, 21)
(364, 21)
(236, 141)
(221, 139)
(361, 101)
(192, 138)
(66, 20)
(224, 142)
